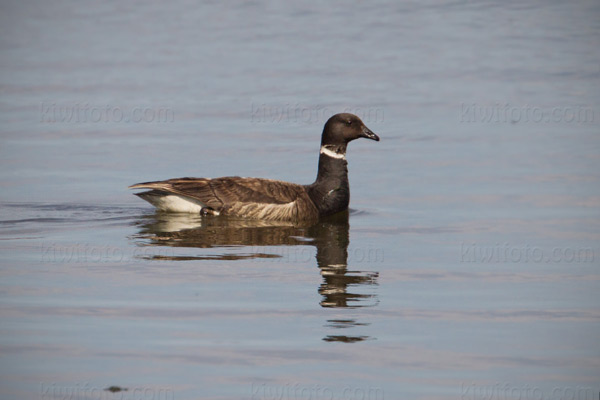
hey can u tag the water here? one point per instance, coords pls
(466, 269)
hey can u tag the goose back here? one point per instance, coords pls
(244, 197)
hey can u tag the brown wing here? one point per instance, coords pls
(244, 197)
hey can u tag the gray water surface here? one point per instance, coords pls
(467, 268)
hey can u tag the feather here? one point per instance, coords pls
(244, 197)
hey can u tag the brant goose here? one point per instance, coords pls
(268, 199)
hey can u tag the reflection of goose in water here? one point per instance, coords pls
(332, 240)
(330, 236)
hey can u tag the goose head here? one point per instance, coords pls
(343, 128)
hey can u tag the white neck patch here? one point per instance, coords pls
(333, 154)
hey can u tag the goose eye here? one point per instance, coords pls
(349, 122)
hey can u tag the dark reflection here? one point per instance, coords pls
(344, 339)
(344, 324)
(332, 239)
(341, 287)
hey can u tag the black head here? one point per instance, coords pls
(343, 128)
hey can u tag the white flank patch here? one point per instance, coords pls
(174, 203)
(331, 153)
(281, 210)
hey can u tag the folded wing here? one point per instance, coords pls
(247, 197)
